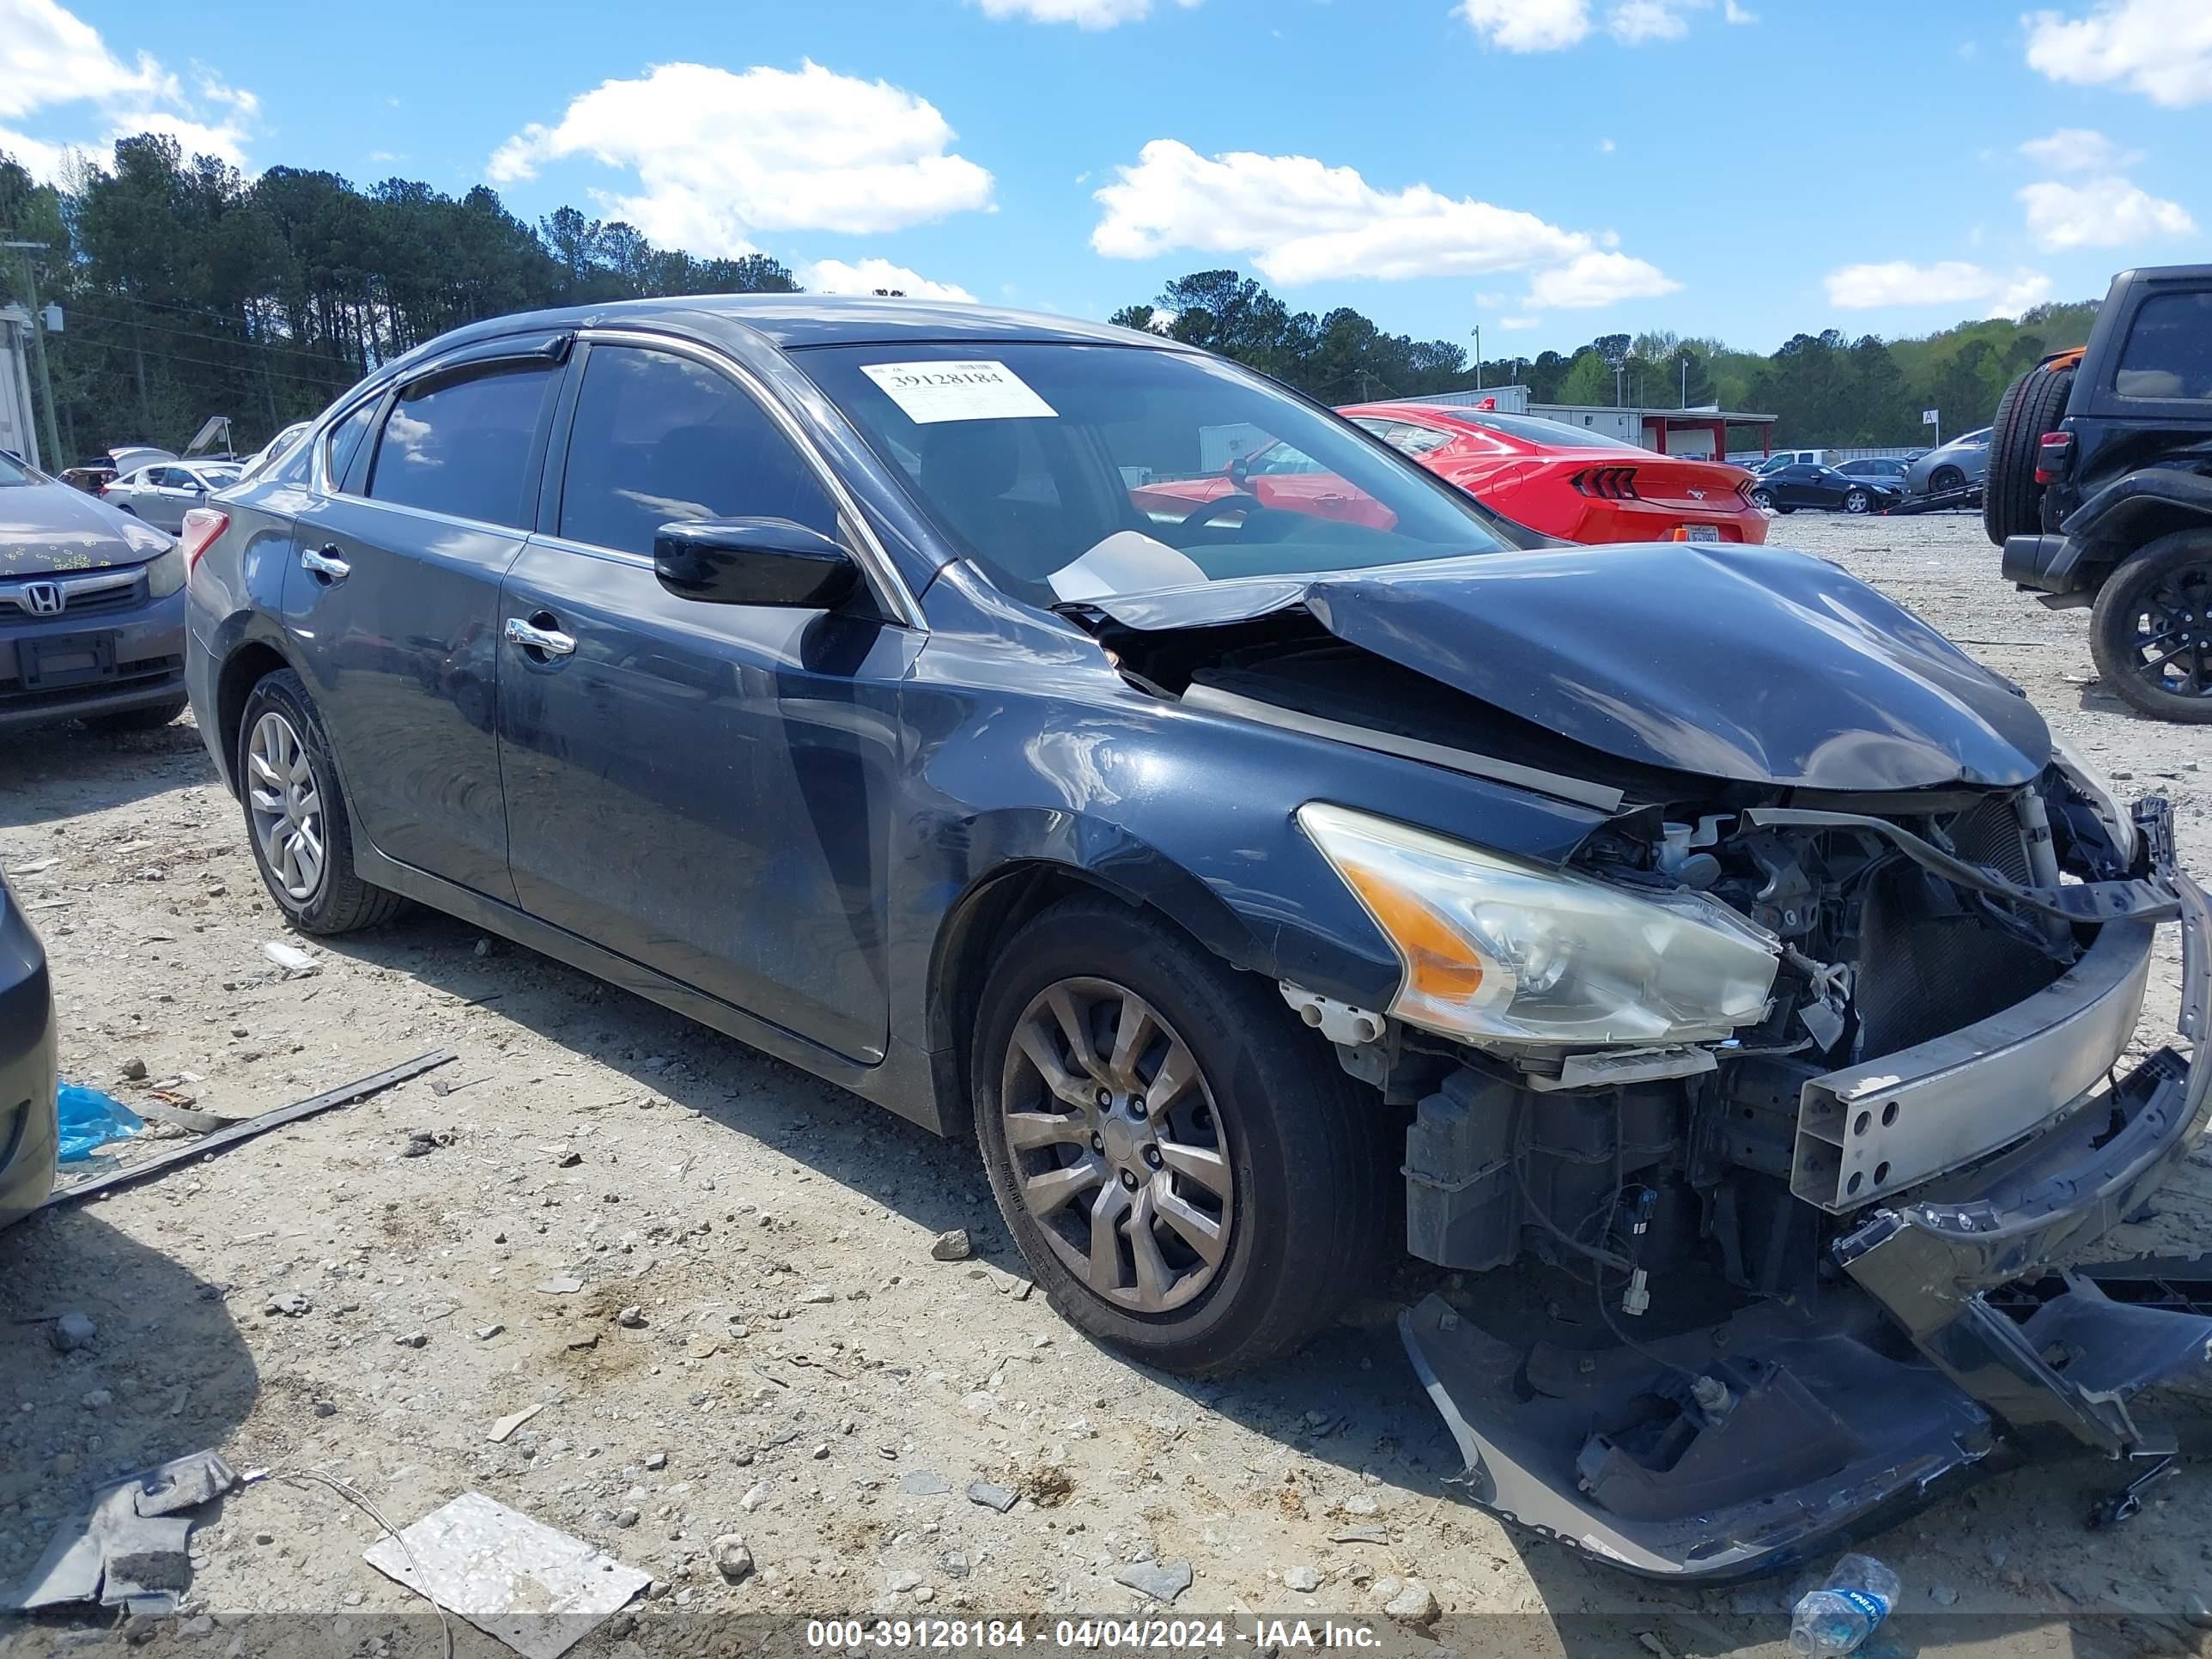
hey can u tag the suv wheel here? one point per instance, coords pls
(295, 815)
(2151, 633)
(1186, 1170)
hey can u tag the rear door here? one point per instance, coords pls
(395, 606)
(707, 789)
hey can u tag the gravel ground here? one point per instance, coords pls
(794, 1367)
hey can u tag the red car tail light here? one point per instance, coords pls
(1610, 483)
(202, 525)
(2052, 452)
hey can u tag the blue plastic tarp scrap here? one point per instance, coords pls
(90, 1119)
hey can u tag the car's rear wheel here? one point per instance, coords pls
(1184, 1167)
(1857, 501)
(295, 814)
(2151, 632)
(2012, 500)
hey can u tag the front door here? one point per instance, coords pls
(704, 788)
(394, 604)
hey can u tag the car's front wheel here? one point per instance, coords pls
(1185, 1168)
(295, 815)
(1763, 500)
(1946, 477)
(1857, 501)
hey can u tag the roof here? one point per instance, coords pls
(798, 320)
(1458, 410)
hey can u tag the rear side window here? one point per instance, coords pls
(344, 441)
(463, 447)
(2168, 354)
(659, 437)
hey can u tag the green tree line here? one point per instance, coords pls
(1827, 389)
(190, 290)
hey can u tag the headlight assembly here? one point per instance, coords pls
(2095, 789)
(165, 574)
(1495, 949)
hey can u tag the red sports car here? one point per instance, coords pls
(1567, 483)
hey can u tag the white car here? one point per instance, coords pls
(164, 492)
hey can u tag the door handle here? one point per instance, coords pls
(325, 564)
(530, 637)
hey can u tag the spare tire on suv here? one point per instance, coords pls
(2012, 500)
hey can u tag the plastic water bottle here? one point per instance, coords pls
(1840, 1616)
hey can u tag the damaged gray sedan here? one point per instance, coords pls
(1724, 970)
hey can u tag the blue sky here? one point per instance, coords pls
(1550, 169)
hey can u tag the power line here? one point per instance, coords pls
(325, 385)
(196, 334)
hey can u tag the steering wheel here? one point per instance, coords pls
(1207, 512)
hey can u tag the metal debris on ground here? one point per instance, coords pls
(1161, 1580)
(1000, 1498)
(130, 1547)
(521, 1582)
(247, 1128)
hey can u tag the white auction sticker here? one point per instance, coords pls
(931, 393)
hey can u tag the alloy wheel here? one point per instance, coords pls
(1857, 501)
(1118, 1151)
(2172, 638)
(287, 806)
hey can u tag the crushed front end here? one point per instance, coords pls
(1798, 1281)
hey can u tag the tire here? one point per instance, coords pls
(2012, 500)
(2158, 596)
(1763, 500)
(1297, 1164)
(336, 900)
(140, 719)
(1946, 477)
(1857, 501)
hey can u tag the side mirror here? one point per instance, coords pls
(1240, 470)
(753, 562)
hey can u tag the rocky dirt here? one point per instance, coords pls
(714, 1277)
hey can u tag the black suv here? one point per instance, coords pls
(2100, 488)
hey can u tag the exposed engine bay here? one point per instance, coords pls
(1782, 1209)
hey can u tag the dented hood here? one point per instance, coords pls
(1745, 663)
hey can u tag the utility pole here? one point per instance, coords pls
(1478, 356)
(38, 346)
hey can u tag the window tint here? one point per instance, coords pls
(463, 446)
(2169, 350)
(344, 441)
(659, 437)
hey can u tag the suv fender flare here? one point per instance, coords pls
(2142, 507)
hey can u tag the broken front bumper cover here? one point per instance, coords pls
(1832, 1428)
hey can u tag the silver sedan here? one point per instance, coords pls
(162, 492)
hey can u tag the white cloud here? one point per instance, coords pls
(718, 155)
(1952, 281)
(873, 275)
(1634, 22)
(1084, 14)
(1527, 25)
(1301, 221)
(2099, 213)
(1519, 322)
(2160, 48)
(2078, 149)
(1606, 147)
(50, 59)
(1598, 279)
(1736, 14)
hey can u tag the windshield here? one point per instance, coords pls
(1075, 471)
